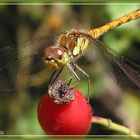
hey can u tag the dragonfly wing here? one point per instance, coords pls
(34, 46)
(118, 66)
(16, 58)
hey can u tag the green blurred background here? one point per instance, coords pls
(18, 108)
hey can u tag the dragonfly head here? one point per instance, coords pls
(55, 57)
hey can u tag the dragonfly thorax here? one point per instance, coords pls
(55, 57)
(67, 42)
(73, 44)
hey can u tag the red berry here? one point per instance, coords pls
(73, 118)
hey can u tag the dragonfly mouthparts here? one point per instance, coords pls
(49, 58)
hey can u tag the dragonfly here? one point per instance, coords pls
(71, 45)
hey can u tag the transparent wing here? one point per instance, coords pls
(21, 59)
(10, 53)
(119, 67)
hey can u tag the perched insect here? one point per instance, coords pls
(73, 43)
(70, 46)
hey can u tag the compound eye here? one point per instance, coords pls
(58, 53)
(47, 52)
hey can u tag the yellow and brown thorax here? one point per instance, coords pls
(68, 46)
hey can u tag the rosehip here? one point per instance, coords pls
(72, 118)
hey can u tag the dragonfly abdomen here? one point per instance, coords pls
(105, 28)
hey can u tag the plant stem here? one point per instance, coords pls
(113, 126)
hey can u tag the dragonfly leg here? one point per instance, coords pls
(77, 77)
(55, 75)
(86, 75)
(69, 79)
(73, 72)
